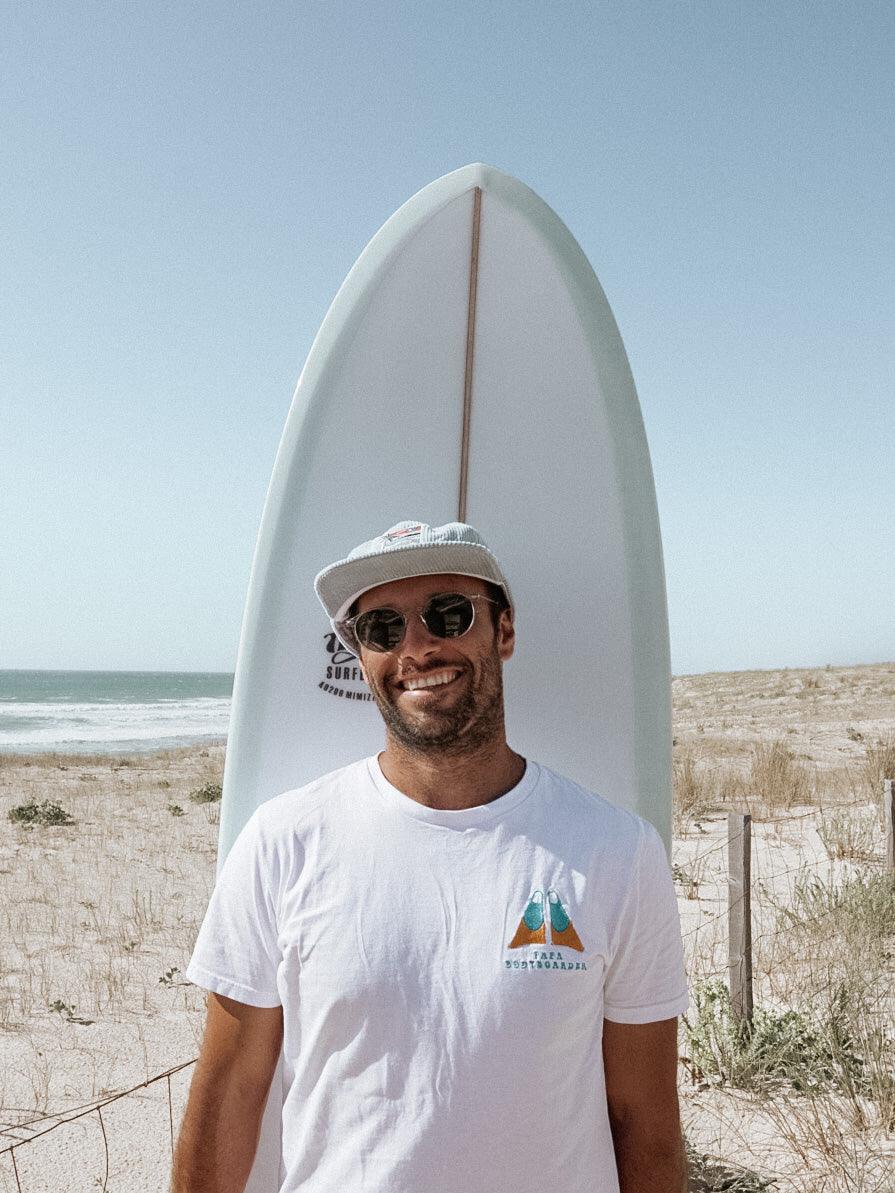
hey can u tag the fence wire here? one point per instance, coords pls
(63, 1118)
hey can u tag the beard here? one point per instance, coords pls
(474, 721)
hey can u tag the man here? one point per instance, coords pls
(474, 967)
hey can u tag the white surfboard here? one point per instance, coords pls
(469, 369)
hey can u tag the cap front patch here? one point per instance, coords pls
(403, 532)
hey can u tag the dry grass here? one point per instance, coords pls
(695, 793)
(850, 832)
(879, 764)
(832, 1155)
(777, 780)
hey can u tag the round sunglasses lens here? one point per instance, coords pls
(380, 629)
(448, 615)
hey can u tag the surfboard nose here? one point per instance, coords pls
(476, 174)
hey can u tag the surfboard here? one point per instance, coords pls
(469, 369)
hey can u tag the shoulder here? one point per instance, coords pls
(302, 808)
(616, 829)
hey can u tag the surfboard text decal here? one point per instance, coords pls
(341, 672)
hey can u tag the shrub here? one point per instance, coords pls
(783, 1047)
(210, 793)
(45, 814)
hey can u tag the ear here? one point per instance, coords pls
(506, 635)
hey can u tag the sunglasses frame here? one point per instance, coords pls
(346, 628)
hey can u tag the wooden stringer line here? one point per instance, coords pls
(470, 350)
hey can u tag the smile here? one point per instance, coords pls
(435, 680)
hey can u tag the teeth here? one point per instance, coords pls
(430, 681)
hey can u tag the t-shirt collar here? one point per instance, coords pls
(465, 818)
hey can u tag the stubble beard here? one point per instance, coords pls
(475, 721)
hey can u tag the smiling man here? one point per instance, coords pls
(473, 966)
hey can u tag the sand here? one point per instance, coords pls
(97, 921)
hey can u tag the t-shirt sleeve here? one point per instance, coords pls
(236, 952)
(645, 980)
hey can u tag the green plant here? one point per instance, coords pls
(782, 1047)
(46, 814)
(209, 793)
(171, 977)
(175, 810)
(707, 1174)
(68, 1010)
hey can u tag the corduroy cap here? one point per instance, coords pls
(404, 550)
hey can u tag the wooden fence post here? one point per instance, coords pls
(889, 811)
(739, 916)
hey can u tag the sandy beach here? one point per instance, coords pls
(98, 918)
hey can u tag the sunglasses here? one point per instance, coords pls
(445, 615)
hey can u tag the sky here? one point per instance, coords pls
(185, 186)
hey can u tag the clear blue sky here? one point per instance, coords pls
(184, 187)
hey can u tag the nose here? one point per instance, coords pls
(418, 643)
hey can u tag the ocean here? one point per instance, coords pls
(111, 712)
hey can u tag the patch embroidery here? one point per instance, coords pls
(403, 532)
(533, 925)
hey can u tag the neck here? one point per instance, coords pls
(452, 782)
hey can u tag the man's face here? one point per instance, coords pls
(464, 709)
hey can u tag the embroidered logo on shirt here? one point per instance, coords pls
(533, 925)
(562, 930)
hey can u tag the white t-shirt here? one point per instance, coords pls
(444, 978)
